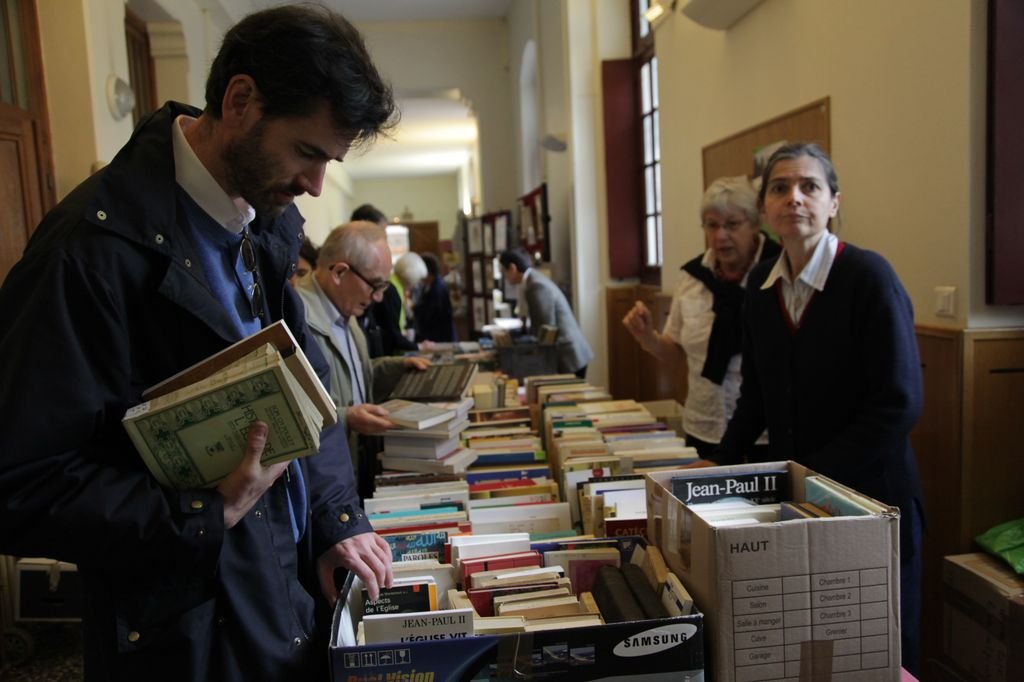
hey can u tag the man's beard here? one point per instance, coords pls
(250, 172)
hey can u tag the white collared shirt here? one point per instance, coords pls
(708, 405)
(345, 343)
(198, 183)
(796, 294)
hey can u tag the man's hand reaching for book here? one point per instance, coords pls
(247, 483)
(368, 419)
(367, 555)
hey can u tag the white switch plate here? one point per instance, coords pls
(945, 301)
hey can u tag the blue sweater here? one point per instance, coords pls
(840, 393)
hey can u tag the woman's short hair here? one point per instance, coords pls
(795, 151)
(432, 264)
(410, 269)
(309, 252)
(731, 193)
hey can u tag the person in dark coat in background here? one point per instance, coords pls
(306, 261)
(179, 247)
(432, 311)
(830, 362)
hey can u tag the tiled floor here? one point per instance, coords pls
(56, 654)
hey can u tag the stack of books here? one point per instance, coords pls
(427, 436)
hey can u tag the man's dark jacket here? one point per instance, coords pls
(108, 299)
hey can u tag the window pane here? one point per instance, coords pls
(641, 7)
(649, 151)
(649, 187)
(651, 255)
(654, 80)
(645, 88)
(656, 126)
(657, 188)
(660, 256)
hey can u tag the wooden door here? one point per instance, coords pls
(424, 238)
(25, 164)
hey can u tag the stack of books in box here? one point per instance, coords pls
(427, 436)
(598, 453)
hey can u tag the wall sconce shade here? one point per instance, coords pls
(120, 97)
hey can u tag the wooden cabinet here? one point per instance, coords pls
(969, 444)
(633, 373)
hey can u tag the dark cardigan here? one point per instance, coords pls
(840, 393)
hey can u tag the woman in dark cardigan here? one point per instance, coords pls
(830, 363)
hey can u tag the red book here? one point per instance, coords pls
(491, 563)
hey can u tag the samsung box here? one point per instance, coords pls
(809, 598)
(47, 591)
(654, 650)
(983, 619)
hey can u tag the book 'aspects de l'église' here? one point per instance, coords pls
(191, 431)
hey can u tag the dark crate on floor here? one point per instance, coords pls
(527, 359)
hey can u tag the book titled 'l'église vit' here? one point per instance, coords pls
(191, 431)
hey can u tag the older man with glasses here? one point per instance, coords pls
(351, 274)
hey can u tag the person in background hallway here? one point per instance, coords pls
(352, 273)
(704, 326)
(369, 320)
(180, 246)
(390, 313)
(547, 305)
(306, 260)
(432, 309)
(830, 362)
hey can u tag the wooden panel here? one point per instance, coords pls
(623, 351)
(735, 154)
(623, 164)
(994, 430)
(656, 381)
(423, 238)
(20, 196)
(936, 439)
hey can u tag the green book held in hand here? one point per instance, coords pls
(191, 432)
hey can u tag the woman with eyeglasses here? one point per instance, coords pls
(703, 327)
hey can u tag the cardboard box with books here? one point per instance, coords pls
(983, 619)
(814, 596)
(552, 634)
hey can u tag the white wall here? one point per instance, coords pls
(430, 197)
(469, 55)
(906, 82)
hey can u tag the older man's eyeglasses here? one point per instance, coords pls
(248, 253)
(375, 287)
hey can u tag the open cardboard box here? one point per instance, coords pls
(656, 650)
(803, 599)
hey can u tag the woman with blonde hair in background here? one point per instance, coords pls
(704, 324)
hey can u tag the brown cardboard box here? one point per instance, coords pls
(801, 599)
(983, 622)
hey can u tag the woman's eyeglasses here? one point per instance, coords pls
(248, 252)
(729, 225)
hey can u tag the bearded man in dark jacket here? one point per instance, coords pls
(137, 275)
